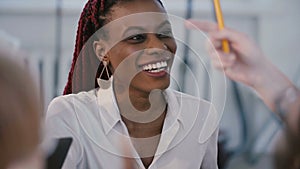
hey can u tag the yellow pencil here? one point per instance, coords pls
(220, 20)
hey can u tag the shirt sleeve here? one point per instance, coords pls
(61, 122)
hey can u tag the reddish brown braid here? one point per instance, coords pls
(80, 77)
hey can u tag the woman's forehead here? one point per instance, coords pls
(148, 22)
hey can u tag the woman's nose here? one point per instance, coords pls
(155, 45)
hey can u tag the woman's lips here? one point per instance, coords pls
(157, 74)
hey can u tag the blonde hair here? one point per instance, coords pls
(19, 112)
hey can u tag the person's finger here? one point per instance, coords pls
(221, 60)
(212, 45)
(206, 26)
(231, 35)
(222, 65)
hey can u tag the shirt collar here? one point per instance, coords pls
(109, 111)
(174, 108)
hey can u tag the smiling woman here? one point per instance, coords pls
(121, 106)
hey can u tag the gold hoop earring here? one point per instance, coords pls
(104, 84)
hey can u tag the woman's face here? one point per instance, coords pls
(145, 48)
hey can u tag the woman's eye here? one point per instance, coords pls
(136, 38)
(165, 34)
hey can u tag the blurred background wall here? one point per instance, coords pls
(46, 30)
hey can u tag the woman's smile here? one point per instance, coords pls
(157, 68)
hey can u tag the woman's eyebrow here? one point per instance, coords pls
(141, 29)
(133, 28)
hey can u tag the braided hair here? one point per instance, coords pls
(92, 18)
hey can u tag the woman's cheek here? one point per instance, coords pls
(125, 67)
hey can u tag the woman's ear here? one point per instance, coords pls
(100, 49)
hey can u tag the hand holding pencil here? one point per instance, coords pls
(245, 62)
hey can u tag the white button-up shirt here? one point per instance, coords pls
(188, 139)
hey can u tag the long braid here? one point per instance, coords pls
(84, 61)
(87, 25)
(78, 44)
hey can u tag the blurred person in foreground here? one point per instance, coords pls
(19, 117)
(247, 64)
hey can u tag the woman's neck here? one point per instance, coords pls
(143, 114)
(140, 102)
(139, 106)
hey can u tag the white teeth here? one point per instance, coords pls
(158, 64)
(156, 70)
(156, 67)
